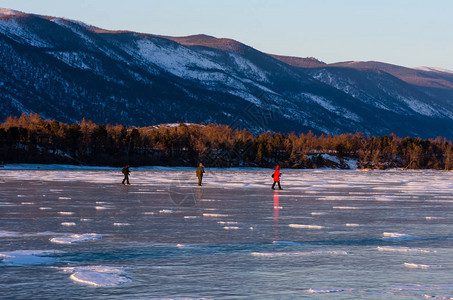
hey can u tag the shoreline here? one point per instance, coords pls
(66, 167)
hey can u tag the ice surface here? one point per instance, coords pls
(185, 240)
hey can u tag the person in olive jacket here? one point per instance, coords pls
(199, 172)
(126, 173)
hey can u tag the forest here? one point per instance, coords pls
(31, 139)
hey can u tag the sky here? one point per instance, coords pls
(404, 32)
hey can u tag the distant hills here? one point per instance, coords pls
(67, 70)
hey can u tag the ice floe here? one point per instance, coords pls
(345, 207)
(397, 236)
(299, 253)
(419, 266)
(209, 215)
(227, 222)
(230, 227)
(76, 238)
(403, 249)
(306, 226)
(121, 224)
(318, 213)
(434, 218)
(68, 224)
(326, 290)
(99, 276)
(66, 213)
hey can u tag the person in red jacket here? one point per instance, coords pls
(276, 177)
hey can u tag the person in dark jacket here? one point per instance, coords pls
(276, 177)
(199, 172)
(126, 173)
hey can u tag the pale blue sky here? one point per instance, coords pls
(404, 32)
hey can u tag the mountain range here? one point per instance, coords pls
(67, 70)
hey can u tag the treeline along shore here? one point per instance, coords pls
(31, 139)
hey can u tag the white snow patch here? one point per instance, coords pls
(403, 249)
(329, 106)
(15, 31)
(247, 67)
(327, 290)
(177, 59)
(396, 235)
(345, 207)
(121, 224)
(68, 224)
(419, 266)
(66, 213)
(99, 276)
(299, 253)
(208, 215)
(230, 227)
(76, 238)
(318, 213)
(305, 226)
(227, 222)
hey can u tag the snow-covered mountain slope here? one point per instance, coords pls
(68, 70)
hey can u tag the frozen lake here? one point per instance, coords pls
(328, 235)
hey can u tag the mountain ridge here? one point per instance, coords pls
(68, 70)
